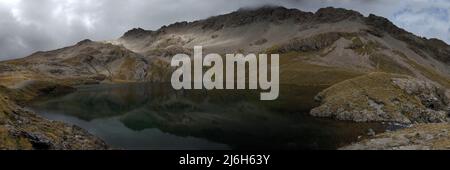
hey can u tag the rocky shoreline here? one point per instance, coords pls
(383, 97)
(24, 130)
(417, 137)
(390, 98)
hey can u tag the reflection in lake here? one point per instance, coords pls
(154, 116)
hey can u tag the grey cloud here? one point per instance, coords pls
(32, 25)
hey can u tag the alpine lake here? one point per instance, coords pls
(149, 116)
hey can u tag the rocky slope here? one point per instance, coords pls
(336, 40)
(22, 129)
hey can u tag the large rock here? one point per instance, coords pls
(382, 97)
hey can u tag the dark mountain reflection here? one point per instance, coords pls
(199, 119)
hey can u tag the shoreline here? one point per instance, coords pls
(365, 142)
(25, 130)
(362, 134)
(418, 137)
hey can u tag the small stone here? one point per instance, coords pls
(371, 132)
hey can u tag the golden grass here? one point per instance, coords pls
(296, 70)
(8, 141)
(374, 86)
(387, 64)
(12, 79)
(126, 68)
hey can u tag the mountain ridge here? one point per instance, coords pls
(327, 33)
(326, 14)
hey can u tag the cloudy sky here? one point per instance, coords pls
(32, 25)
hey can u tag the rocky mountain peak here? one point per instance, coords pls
(383, 24)
(277, 15)
(86, 41)
(438, 48)
(331, 14)
(136, 32)
(244, 16)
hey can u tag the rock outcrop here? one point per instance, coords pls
(382, 97)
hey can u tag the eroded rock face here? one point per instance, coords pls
(382, 97)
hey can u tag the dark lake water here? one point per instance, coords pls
(156, 117)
